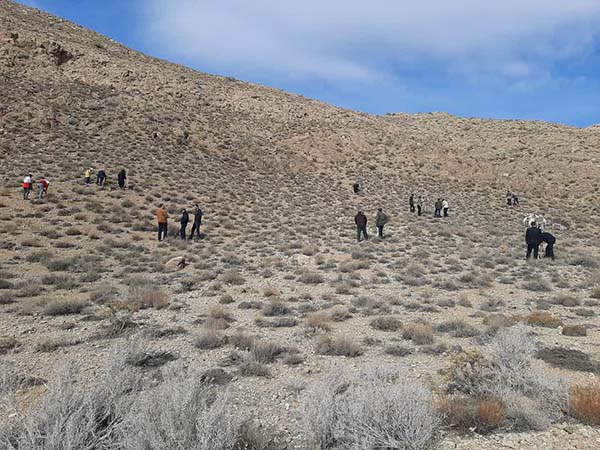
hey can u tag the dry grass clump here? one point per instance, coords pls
(419, 333)
(386, 323)
(8, 343)
(567, 300)
(270, 291)
(311, 278)
(458, 328)
(538, 285)
(567, 358)
(464, 414)
(398, 350)
(250, 367)
(147, 296)
(379, 410)
(276, 307)
(310, 249)
(584, 403)
(232, 277)
(338, 346)
(542, 319)
(318, 321)
(574, 330)
(339, 313)
(51, 344)
(62, 307)
(219, 312)
(210, 340)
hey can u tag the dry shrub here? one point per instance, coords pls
(318, 321)
(509, 372)
(147, 296)
(210, 340)
(376, 411)
(567, 300)
(216, 324)
(490, 414)
(458, 328)
(574, 330)
(310, 250)
(275, 308)
(233, 278)
(219, 312)
(542, 319)
(419, 333)
(311, 278)
(584, 403)
(64, 306)
(386, 323)
(270, 291)
(339, 313)
(7, 343)
(339, 346)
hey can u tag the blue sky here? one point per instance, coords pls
(517, 59)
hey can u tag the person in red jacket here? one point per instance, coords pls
(27, 186)
(42, 187)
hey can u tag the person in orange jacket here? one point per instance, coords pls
(162, 216)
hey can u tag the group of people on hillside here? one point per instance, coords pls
(440, 205)
(101, 177)
(29, 182)
(162, 217)
(512, 199)
(534, 237)
(361, 224)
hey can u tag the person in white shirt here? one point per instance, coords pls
(27, 186)
(445, 207)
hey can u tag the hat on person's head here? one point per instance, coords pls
(380, 209)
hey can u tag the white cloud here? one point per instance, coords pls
(360, 40)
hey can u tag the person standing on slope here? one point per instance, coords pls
(162, 216)
(88, 175)
(197, 222)
(445, 207)
(121, 177)
(380, 220)
(550, 240)
(185, 218)
(101, 177)
(509, 198)
(42, 188)
(438, 208)
(27, 186)
(411, 203)
(361, 226)
(419, 206)
(533, 238)
(356, 187)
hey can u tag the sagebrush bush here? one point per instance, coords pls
(377, 410)
(509, 370)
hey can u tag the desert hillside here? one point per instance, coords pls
(440, 334)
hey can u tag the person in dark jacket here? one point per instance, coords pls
(533, 238)
(356, 187)
(185, 218)
(361, 226)
(197, 222)
(121, 178)
(380, 220)
(100, 177)
(549, 239)
(419, 205)
(438, 208)
(411, 203)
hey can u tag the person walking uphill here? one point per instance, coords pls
(42, 187)
(162, 216)
(27, 186)
(88, 175)
(533, 238)
(419, 206)
(411, 203)
(361, 225)
(101, 177)
(121, 177)
(380, 220)
(550, 240)
(197, 222)
(185, 218)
